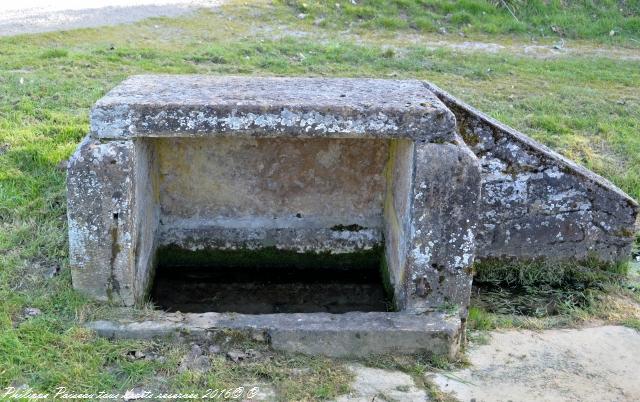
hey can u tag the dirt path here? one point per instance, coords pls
(540, 51)
(587, 364)
(33, 16)
(373, 384)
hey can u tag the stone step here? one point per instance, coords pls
(352, 334)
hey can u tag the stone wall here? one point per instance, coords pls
(113, 216)
(445, 197)
(538, 204)
(397, 215)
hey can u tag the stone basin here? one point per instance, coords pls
(178, 171)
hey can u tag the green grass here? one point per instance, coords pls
(543, 288)
(479, 319)
(538, 294)
(632, 323)
(587, 108)
(580, 19)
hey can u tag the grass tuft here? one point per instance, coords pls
(632, 323)
(480, 319)
(537, 295)
(55, 53)
(542, 288)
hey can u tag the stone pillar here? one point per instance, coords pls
(109, 189)
(443, 217)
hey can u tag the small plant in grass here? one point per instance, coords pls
(479, 319)
(632, 323)
(54, 53)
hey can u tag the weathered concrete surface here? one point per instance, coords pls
(444, 212)
(335, 335)
(111, 227)
(373, 384)
(397, 215)
(286, 193)
(214, 178)
(290, 234)
(587, 364)
(147, 212)
(538, 204)
(174, 106)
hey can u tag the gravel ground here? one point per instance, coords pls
(33, 16)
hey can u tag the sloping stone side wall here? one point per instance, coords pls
(538, 204)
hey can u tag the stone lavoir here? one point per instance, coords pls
(333, 216)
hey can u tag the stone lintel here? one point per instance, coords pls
(187, 106)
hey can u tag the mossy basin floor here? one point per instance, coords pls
(262, 291)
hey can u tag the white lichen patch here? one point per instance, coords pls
(121, 122)
(79, 233)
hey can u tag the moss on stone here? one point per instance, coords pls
(347, 228)
(386, 283)
(268, 257)
(470, 139)
(625, 233)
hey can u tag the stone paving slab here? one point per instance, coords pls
(372, 384)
